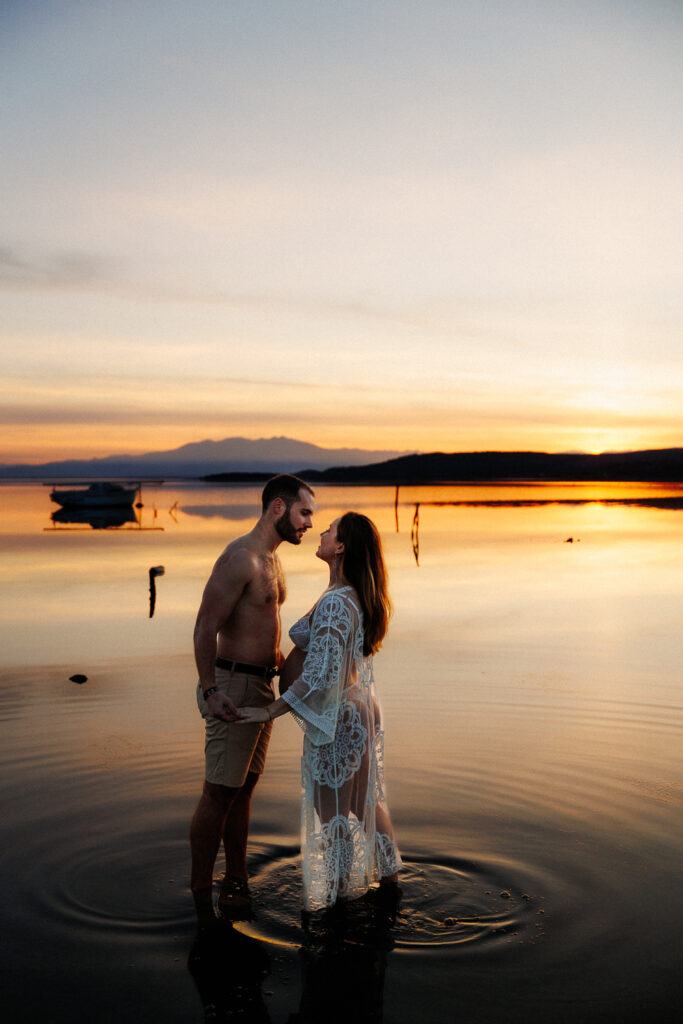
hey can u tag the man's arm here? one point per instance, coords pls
(227, 582)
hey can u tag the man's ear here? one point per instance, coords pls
(278, 506)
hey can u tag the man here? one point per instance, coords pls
(237, 650)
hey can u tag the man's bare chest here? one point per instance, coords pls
(268, 585)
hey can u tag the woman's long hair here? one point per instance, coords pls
(362, 566)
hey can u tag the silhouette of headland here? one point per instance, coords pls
(663, 465)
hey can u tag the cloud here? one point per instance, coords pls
(67, 269)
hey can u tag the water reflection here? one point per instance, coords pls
(343, 960)
(649, 502)
(119, 519)
(535, 777)
(228, 969)
(229, 512)
(95, 518)
(415, 534)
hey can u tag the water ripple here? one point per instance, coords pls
(102, 887)
(456, 903)
(447, 903)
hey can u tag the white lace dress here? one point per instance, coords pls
(347, 837)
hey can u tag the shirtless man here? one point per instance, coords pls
(237, 650)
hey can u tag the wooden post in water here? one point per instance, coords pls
(415, 534)
(156, 570)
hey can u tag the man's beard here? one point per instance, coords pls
(286, 530)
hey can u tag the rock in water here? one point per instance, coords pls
(78, 678)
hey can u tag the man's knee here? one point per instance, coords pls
(222, 795)
(250, 782)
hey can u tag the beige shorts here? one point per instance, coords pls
(232, 750)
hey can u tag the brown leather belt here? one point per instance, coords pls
(249, 670)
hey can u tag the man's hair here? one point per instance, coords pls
(284, 486)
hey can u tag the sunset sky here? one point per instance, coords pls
(439, 225)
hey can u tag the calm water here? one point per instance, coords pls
(534, 716)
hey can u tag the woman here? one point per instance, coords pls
(348, 840)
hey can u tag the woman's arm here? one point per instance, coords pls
(314, 694)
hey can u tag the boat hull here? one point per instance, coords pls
(105, 495)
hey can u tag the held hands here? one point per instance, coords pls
(254, 715)
(222, 707)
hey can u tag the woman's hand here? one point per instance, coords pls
(252, 715)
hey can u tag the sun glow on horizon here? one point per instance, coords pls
(97, 443)
(412, 234)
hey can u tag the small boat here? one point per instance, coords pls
(97, 495)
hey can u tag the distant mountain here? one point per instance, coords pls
(665, 464)
(238, 458)
(232, 455)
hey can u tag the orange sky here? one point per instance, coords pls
(450, 227)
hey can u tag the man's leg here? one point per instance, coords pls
(236, 829)
(205, 838)
(234, 898)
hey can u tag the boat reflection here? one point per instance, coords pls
(95, 518)
(99, 505)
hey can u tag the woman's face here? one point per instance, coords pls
(329, 546)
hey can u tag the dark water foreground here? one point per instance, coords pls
(533, 705)
(577, 920)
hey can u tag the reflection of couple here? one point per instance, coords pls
(348, 842)
(342, 963)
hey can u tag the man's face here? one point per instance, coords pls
(296, 519)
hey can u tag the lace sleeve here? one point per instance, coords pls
(316, 695)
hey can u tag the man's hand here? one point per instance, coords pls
(222, 707)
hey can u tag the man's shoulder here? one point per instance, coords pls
(239, 559)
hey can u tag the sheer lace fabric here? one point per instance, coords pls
(347, 837)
